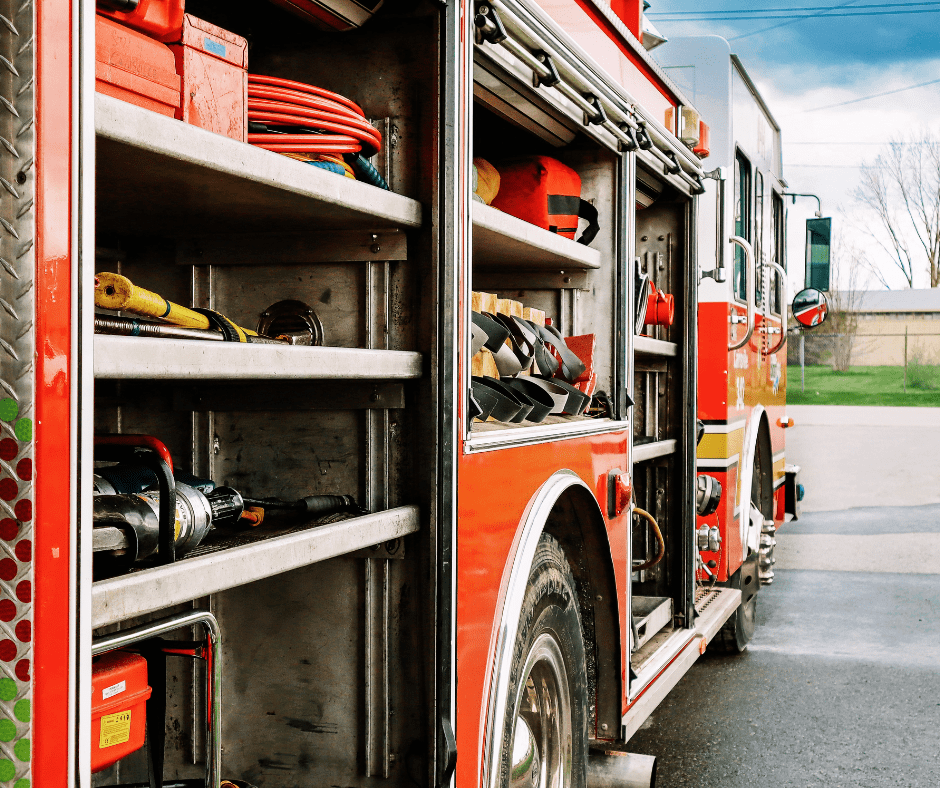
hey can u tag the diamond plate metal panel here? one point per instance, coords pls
(17, 386)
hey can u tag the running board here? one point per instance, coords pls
(714, 608)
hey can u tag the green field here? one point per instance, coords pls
(865, 386)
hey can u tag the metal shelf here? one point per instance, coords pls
(654, 347)
(148, 590)
(147, 358)
(650, 451)
(154, 171)
(503, 240)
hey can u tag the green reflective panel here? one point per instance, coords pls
(818, 239)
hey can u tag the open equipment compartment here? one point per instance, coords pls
(341, 614)
(577, 286)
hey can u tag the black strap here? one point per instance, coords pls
(589, 212)
(571, 366)
(221, 322)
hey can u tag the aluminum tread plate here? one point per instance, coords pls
(654, 347)
(502, 240)
(149, 358)
(155, 171)
(153, 589)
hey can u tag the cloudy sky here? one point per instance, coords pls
(821, 74)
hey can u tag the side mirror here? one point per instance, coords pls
(810, 307)
(818, 239)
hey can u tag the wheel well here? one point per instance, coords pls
(763, 469)
(578, 525)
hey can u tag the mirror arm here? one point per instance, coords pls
(751, 276)
(783, 304)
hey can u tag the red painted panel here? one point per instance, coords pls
(52, 646)
(490, 512)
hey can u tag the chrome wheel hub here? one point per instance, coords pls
(766, 560)
(541, 739)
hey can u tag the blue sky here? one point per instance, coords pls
(818, 62)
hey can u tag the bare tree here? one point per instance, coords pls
(850, 270)
(902, 188)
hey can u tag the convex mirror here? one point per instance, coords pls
(810, 307)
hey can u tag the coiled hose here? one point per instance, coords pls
(297, 119)
(660, 544)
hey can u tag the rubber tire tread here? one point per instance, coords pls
(551, 604)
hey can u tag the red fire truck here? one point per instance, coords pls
(264, 497)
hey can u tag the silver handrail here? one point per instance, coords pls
(127, 637)
(783, 304)
(751, 272)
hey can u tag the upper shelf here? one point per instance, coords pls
(154, 171)
(500, 239)
(252, 559)
(147, 358)
(654, 347)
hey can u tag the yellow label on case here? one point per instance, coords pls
(115, 729)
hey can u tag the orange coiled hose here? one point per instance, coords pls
(299, 118)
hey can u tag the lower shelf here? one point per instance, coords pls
(243, 558)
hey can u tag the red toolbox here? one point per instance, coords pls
(213, 64)
(118, 707)
(132, 67)
(159, 19)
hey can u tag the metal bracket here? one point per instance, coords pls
(394, 548)
(643, 138)
(633, 144)
(553, 78)
(601, 118)
(674, 168)
(719, 274)
(488, 24)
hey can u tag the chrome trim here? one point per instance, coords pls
(527, 436)
(672, 646)
(512, 594)
(83, 384)
(725, 428)
(750, 537)
(718, 464)
(650, 451)
(751, 270)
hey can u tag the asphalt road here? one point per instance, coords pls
(841, 683)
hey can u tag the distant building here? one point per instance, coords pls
(884, 316)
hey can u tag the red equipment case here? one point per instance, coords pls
(118, 705)
(159, 19)
(134, 68)
(213, 65)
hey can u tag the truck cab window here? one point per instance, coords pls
(742, 220)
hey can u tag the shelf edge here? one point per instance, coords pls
(115, 120)
(121, 598)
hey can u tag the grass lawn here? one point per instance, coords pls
(862, 386)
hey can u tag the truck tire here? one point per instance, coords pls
(544, 741)
(739, 629)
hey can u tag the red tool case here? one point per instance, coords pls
(159, 19)
(213, 65)
(118, 707)
(134, 68)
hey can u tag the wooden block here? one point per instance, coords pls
(483, 302)
(537, 316)
(506, 306)
(483, 363)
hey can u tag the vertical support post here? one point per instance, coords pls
(803, 363)
(905, 359)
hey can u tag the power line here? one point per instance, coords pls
(785, 24)
(790, 10)
(867, 98)
(799, 17)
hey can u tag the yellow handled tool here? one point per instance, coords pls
(113, 291)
